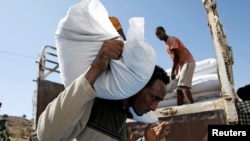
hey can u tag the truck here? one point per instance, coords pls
(188, 122)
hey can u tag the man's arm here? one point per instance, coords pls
(67, 115)
(175, 64)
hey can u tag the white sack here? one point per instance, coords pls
(209, 99)
(170, 95)
(80, 35)
(204, 83)
(205, 64)
(203, 67)
(210, 70)
(203, 96)
(167, 103)
(131, 73)
(172, 85)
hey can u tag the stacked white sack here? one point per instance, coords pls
(205, 84)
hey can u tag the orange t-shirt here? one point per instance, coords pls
(184, 54)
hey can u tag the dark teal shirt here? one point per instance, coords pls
(109, 117)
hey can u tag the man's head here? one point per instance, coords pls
(148, 98)
(160, 33)
(244, 92)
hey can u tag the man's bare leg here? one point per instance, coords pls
(186, 91)
(180, 97)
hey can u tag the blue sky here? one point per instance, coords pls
(26, 26)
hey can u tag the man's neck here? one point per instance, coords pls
(126, 108)
(166, 38)
(125, 103)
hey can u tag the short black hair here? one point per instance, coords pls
(159, 73)
(160, 28)
(244, 92)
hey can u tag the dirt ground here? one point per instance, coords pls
(19, 128)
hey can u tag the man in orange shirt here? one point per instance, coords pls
(183, 64)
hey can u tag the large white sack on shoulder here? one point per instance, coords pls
(130, 74)
(75, 59)
(79, 37)
(140, 58)
(108, 85)
(86, 21)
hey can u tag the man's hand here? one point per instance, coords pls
(156, 133)
(173, 76)
(111, 49)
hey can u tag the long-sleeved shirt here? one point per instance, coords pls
(67, 116)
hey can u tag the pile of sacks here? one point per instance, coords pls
(205, 84)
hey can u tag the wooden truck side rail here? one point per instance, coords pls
(224, 58)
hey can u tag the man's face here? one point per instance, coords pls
(160, 34)
(149, 97)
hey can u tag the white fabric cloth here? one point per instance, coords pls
(149, 117)
(80, 35)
